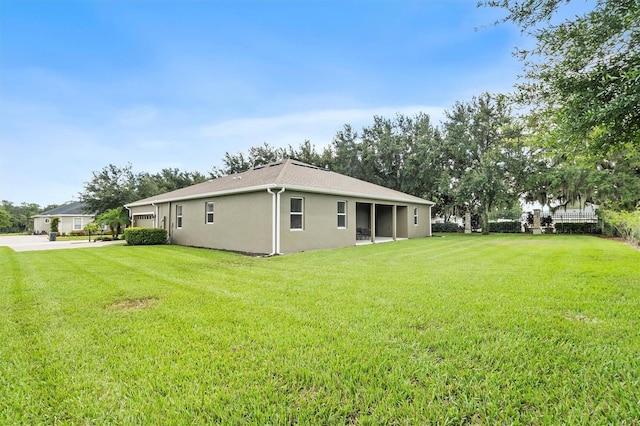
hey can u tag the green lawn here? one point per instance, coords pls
(454, 330)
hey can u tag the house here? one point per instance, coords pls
(284, 207)
(72, 218)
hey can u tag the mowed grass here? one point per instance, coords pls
(452, 330)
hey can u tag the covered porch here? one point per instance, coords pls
(380, 223)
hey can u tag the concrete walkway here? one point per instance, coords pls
(41, 242)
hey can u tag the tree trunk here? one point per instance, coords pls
(485, 221)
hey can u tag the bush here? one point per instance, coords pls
(54, 224)
(446, 227)
(77, 233)
(627, 224)
(577, 228)
(145, 236)
(512, 226)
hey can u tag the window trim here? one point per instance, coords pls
(179, 216)
(296, 213)
(415, 216)
(343, 214)
(207, 212)
(74, 224)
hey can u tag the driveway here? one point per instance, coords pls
(41, 242)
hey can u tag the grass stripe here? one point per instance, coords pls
(460, 329)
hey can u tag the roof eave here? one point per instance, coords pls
(201, 195)
(415, 200)
(287, 187)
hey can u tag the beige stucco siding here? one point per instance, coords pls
(320, 228)
(66, 224)
(423, 229)
(242, 222)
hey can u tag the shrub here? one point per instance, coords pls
(446, 227)
(577, 228)
(145, 236)
(77, 233)
(54, 224)
(627, 224)
(512, 226)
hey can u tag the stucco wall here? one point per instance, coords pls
(423, 229)
(64, 226)
(242, 222)
(320, 229)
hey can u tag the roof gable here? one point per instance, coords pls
(289, 174)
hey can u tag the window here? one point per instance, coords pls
(77, 224)
(178, 216)
(342, 214)
(209, 211)
(415, 216)
(296, 213)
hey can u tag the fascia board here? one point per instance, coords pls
(355, 195)
(202, 195)
(288, 188)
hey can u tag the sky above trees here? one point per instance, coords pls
(177, 84)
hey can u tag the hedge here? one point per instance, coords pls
(446, 227)
(505, 227)
(577, 228)
(145, 236)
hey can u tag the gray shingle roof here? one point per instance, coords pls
(290, 174)
(74, 209)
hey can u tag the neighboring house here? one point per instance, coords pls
(284, 207)
(569, 213)
(72, 218)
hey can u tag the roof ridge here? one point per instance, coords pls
(285, 164)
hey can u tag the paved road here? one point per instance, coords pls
(41, 242)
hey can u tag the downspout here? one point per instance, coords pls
(170, 225)
(273, 223)
(278, 220)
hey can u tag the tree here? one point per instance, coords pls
(5, 219)
(307, 153)
(257, 156)
(92, 228)
(347, 156)
(20, 216)
(148, 185)
(55, 221)
(109, 188)
(403, 153)
(115, 186)
(486, 155)
(116, 219)
(613, 183)
(583, 75)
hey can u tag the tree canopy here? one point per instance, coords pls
(486, 157)
(115, 186)
(583, 75)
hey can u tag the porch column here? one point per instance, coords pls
(394, 223)
(373, 222)
(467, 222)
(536, 222)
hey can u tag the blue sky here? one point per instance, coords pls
(179, 83)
